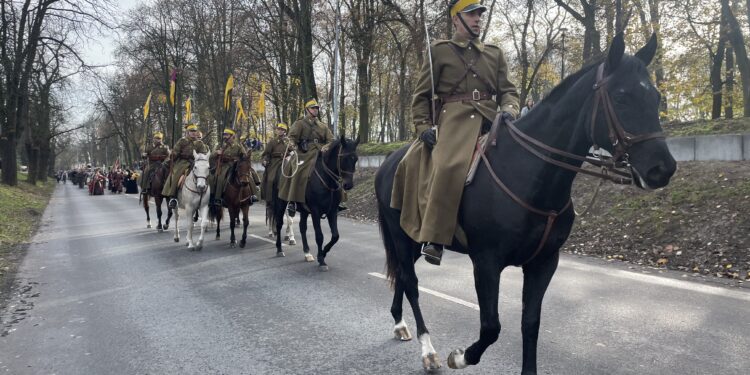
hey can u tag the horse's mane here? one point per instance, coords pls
(563, 87)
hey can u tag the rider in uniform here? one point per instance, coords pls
(471, 82)
(271, 158)
(222, 161)
(182, 158)
(155, 155)
(307, 137)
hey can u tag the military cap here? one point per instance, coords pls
(465, 6)
(311, 103)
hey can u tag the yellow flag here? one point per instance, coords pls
(147, 106)
(227, 91)
(262, 101)
(172, 86)
(188, 109)
(240, 112)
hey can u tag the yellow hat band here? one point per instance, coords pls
(192, 127)
(158, 135)
(461, 5)
(312, 103)
(282, 126)
(228, 131)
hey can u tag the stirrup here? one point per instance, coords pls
(291, 209)
(433, 253)
(172, 203)
(342, 208)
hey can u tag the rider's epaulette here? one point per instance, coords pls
(438, 42)
(487, 45)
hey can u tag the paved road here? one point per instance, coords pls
(100, 294)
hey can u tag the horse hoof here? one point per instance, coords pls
(323, 268)
(176, 240)
(166, 227)
(242, 244)
(148, 225)
(280, 254)
(270, 235)
(401, 332)
(456, 359)
(309, 257)
(199, 248)
(232, 244)
(218, 237)
(160, 230)
(431, 362)
(292, 242)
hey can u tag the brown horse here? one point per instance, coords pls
(237, 196)
(157, 183)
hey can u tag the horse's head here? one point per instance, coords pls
(342, 158)
(200, 170)
(242, 169)
(624, 119)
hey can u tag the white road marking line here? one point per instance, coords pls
(436, 294)
(266, 239)
(660, 280)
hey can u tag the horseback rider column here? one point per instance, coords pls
(472, 87)
(271, 158)
(154, 154)
(222, 161)
(307, 137)
(182, 159)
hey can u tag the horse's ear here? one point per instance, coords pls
(647, 53)
(616, 51)
(356, 141)
(342, 139)
(195, 155)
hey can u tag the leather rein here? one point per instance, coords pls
(616, 168)
(337, 175)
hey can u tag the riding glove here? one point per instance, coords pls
(429, 138)
(507, 116)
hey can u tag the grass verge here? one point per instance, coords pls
(22, 207)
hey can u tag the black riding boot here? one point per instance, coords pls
(291, 208)
(173, 203)
(432, 252)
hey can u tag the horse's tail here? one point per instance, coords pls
(215, 211)
(392, 264)
(271, 214)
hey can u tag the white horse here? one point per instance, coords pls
(289, 233)
(194, 196)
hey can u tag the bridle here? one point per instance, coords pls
(195, 181)
(338, 174)
(617, 168)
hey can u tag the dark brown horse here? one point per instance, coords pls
(157, 183)
(237, 196)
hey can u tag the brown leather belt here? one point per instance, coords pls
(475, 95)
(224, 159)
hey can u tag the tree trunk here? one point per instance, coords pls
(734, 33)
(729, 84)
(715, 77)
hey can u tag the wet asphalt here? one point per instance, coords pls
(99, 293)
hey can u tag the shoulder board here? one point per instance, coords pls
(438, 42)
(487, 45)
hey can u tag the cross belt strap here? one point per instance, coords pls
(475, 95)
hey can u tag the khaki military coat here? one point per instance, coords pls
(316, 135)
(155, 155)
(222, 165)
(272, 155)
(429, 184)
(182, 157)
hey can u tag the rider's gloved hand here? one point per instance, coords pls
(507, 116)
(429, 137)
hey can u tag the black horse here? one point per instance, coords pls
(333, 172)
(517, 211)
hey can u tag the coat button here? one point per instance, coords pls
(472, 116)
(475, 76)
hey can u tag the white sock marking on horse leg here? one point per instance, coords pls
(459, 360)
(399, 325)
(426, 345)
